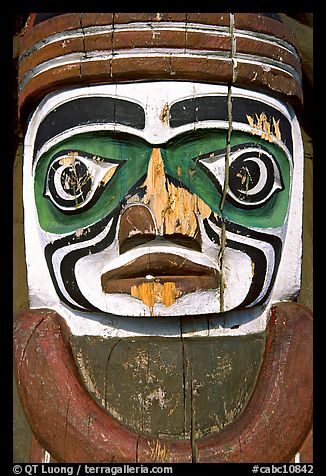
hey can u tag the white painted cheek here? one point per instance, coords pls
(88, 272)
(238, 274)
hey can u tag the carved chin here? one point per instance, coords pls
(73, 426)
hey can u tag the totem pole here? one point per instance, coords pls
(163, 189)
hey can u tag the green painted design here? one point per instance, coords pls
(178, 155)
(134, 151)
(142, 383)
(272, 214)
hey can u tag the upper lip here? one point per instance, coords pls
(161, 267)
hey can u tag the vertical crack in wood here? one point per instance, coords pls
(66, 415)
(89, 418)
(194, 449)
(240, 448)
(186, 34)
(188, 389)
(184, 381)
(137, 450)
(112, 47)
(144, 412)
(106, 374)
(84, 47)
(221, 263)
(227, 161)
(233, 49)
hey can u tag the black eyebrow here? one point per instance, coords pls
(206, 108)
(198, 109)
(89, 110)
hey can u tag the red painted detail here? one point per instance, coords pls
(73, 428)
(37, 453)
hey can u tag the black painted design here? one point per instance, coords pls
(198, 109)
(68, 263)
(89, 110)
(208, 108)
(67, 267)
(245, 175)
(75, 181)
(257, 256)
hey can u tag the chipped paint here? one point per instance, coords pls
(164, 116)
(267, 128)
(174, 208)
(69, 160)
(156, 193)
(253, 268)
(180, 215)
(153, 292)
(157, 394)
(108, 175)
(159, 452)
(79, 232)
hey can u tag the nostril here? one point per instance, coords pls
(134, 241)
(193, 243)
(136, 227)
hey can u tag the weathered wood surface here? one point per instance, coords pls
(171, 387)
(73, 428)
(116, 67)
(305, 296)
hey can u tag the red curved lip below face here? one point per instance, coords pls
(161, 268)
(46, 372)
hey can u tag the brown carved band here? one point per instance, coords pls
(78, 49)
(70, 425)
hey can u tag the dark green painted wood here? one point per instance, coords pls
(171, 387)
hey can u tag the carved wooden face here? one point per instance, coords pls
(150, 199)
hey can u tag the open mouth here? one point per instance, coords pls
(165, 275)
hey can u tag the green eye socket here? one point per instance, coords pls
(259, 175)
(84, 178)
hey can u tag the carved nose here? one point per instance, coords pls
(136, 227)
(168, 210)
(173, 207)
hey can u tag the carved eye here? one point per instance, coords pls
(73, 179)
(254, 175)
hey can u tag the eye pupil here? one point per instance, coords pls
(253, 177)
(244, 177)
(76, 180)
